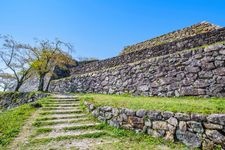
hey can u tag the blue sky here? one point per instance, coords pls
(101, 28)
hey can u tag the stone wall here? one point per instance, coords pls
(194, 72)
(13, 99)
(159, 50)
(194, 130)
(193, 30)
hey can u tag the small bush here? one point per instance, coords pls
(36, 105)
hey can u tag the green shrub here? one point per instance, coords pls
(36, 105)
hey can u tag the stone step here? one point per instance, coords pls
(62, 117)
(63, 111)
(60, 112)
(66, 115)
(64, 99)
(61, 121)
(60, 108)
(65, 119)
(61, 105)
(61, 133)
(62, 102)
(70, 125)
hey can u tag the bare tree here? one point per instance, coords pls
(16, 59)
(7, 81)
(23, 60)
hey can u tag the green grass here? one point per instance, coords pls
(11, 122)
(174, 104)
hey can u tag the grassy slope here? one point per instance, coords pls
(11, 122)
(175, 104)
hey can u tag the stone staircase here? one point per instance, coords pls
(62, 124)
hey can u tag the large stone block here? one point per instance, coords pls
(160, 125)
(114, 123)
(141, 113)
(195, 126)
(156, 133)
(169, 136)
(95, 112)
(108, 115)
(219, 71)
(154, 115)
(192, 69)
(191, 91)
(188, 138)
(167, 114)
(173, 121)
(143, 88)
(115, 112)
(217, 119)
(201, 83)
(135, 122)
(148, 123)
(215, 136)
(198, 117)
(207, 145)
(182, 126)
(182, 116)
(213, 126)
(129, 112)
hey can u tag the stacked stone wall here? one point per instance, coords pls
(159, 50)
(195, 72)
(193, 30)
(14, 99)
(194, 130)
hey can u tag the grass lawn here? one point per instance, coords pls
(174, 104)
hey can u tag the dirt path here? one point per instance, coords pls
(26, 131)
(60, 124)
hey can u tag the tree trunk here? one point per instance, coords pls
(41, 82)
(49, 81)
(18, 85)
